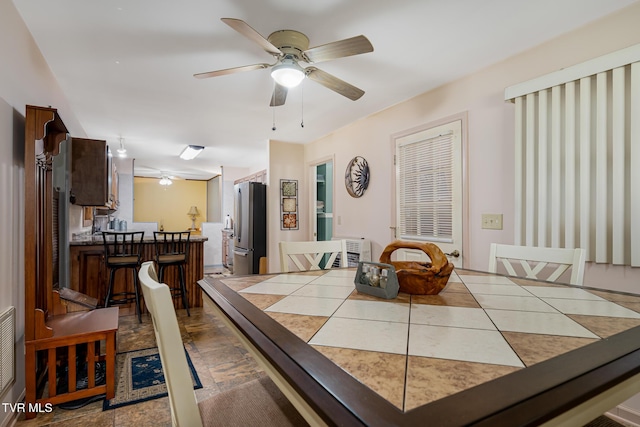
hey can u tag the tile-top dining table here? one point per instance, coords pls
(488, 350)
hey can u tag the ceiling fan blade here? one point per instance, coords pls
(246, 30)
(279, 96)
(231, 71)
(339, 49)
(333, 83)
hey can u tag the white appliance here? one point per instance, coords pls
(357, 250)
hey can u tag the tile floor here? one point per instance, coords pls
(219, 358)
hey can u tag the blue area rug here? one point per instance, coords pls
(139, 378)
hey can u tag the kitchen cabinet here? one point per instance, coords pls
(93, 177)
(114, 201)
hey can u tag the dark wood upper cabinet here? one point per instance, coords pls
(90, 172)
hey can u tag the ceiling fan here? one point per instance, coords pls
(289, 48)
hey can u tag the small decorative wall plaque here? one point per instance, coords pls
(289, 204)
(356, 177)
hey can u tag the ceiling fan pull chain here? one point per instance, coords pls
(302, 105)
(274, 118)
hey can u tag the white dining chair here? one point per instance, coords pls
(536, 263)
(309, 255)
(258, 402)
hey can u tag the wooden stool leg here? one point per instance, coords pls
(112, 273)
(183, 287)
(137, 294)
(160, 273)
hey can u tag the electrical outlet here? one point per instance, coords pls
(492, 221)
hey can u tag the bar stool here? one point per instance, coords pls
(172, 248)
(123, 250)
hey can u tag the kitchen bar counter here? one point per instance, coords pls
(90, 276)
(96, 239)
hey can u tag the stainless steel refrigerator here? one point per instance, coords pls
(250, 227)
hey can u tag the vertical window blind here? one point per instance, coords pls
(425, 189)
(577, 158)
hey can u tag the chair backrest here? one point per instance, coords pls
(309, 255)
(535, 261)
(122, 245)
(182, 399)
(171, 243)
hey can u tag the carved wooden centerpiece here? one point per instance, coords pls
(419, 278)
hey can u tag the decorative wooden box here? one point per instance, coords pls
(390, 291)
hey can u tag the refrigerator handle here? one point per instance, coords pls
(239, 219)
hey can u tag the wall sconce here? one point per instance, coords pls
(191, 151)
(193, 213)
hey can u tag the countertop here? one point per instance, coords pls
(96, 239)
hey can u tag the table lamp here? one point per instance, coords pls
(193, 213)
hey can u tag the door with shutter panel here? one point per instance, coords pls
(428, 167)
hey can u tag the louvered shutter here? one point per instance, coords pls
(425, 189)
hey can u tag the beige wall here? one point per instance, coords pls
(285, 162)
(168, 205)
(490, 144)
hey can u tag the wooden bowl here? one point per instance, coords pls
(419, 278)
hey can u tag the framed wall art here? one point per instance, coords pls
(289, 204)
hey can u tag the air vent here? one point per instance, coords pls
(357, 250)
(7, 348)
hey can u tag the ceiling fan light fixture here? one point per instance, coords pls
(191, 151)
(165, 181)
(122, 152)
(288, 74)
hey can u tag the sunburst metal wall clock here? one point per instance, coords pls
(356, 177)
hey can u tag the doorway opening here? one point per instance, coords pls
(323, 228)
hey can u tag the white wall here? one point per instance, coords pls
(25, 79)
(490, 144)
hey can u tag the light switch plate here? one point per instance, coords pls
(492, 221)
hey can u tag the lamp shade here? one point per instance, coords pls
(287, 74)
(193, 211)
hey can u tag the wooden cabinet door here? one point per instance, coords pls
(114, 202)
(88, 273)
(89, 172)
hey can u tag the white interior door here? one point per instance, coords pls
(429, 193)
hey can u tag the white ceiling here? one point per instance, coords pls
(127, 67)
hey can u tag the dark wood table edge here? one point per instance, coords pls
(527, 397)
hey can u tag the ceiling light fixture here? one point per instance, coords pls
(122, 152)
(288, 73)
(165, 181)
(191, 151)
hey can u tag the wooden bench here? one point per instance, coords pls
(57, 339)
